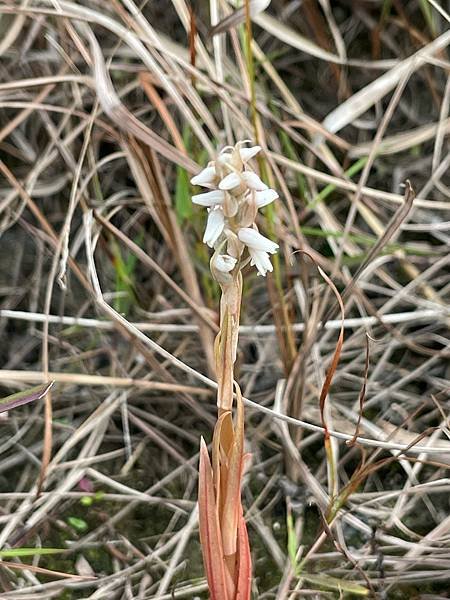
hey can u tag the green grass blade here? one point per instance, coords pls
(327, 190)
(21, 552)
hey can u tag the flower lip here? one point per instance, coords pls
(256, 241)
(212, 198)
(248, 153)
(253, 181)
(205, 178)
(261, 261)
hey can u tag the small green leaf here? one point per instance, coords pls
(292, 543)
(86, 500)
(183, 204)
(77, 523)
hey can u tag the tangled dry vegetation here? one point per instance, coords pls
(107, 109)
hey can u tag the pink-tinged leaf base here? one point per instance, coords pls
(210, 537)
(244, 567)
(223, 533)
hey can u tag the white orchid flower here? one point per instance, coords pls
(261, 261)
(259, 248)
(247, 178)
(265, 197)
(212, 198)
(214, 226)
(206, 178)
(253, 239)
(224, 263)
(248, 153)
(253, 181)
(230, 181)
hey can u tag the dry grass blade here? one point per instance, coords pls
(42, 571)
(127, 121)
(237, 17)
(86, 380)
(294, 39)
(162, 109)
(377, 194)
(362, 394)
(376, 90)
(392, 227)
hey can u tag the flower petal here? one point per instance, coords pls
(212, 198)
(256, 241)
(261, 261)
(205, 177)
(248, 153)
(232, 180)
(224, 263)
(253, 181)
(265, 197)
(214, 226)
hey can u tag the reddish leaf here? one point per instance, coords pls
(210, 537)
(337, 353)
(244, 566)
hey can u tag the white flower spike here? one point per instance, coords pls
(236, 193)
(224, 157)
(258, 6)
